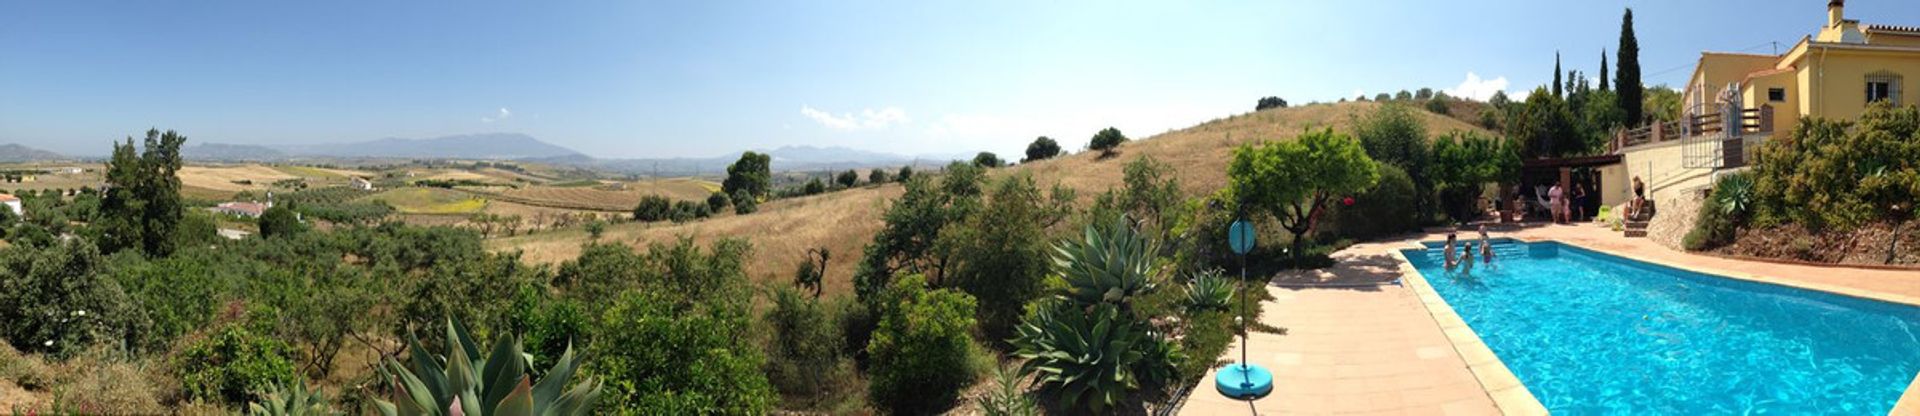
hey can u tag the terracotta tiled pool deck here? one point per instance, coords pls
(1357, 344)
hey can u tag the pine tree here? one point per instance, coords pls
(1603, 69)
(1556, 76)
(1628, 81)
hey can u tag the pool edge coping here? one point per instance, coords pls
(1907, 404)
(1749, 277)
(1508, 393)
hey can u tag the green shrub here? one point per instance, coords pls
(806, 361)
(653, 208)
(61, 299)
(921, 354)
(1438, 105)
(278, 222)
(233, 364)
(744, 203)
(1208, 291)
(718, 202)
(1842, 174)
(1106, 140)
(660, 357)
(1000, 254)
(684, 211)
(814, 187)
(1389, 208)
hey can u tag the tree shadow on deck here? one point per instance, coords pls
(1363, 272)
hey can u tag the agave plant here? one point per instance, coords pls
(1735, 193)
(1090, 360)
(464, 383)
(294, 401)
(1209, 292)
(1111, 263)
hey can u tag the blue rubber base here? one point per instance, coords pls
(1243, 381)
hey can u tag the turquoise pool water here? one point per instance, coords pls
(1591, 333)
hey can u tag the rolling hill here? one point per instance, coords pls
(843, 222)
(16, 153)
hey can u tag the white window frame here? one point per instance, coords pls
(1892, 82)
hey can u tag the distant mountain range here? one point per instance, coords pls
(521, 147)
(15, 153)
(492, 146)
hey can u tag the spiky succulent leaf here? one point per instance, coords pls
(1110, 263)
(1082, 359)
(497, 384)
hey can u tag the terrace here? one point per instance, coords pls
(1714, 139)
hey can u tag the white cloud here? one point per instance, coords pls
(868, 119)
(1478, 89)
(502, 115)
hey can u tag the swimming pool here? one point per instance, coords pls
(1592, 333)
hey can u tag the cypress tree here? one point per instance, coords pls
(1603, 69)
(1556, 75)
(1628, 81)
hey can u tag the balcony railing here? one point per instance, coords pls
(1729, 121)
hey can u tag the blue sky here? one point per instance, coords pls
(653, 79)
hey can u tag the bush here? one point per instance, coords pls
(1438, 105)
(1106, 140)
(1000, 254)
(806, 360)
(684, 211)
(744, 203)
(1390, 207)
(1042, 148)
(922, 355)
(26, 371)
(988, 160)
(233, 364)
(278, 222)
(878, 176)
(111, 386)
(660, 358)
(814, 187)
(847, 179)
(60, 300)
(653, 208)
(1840, 174)
(718, 202)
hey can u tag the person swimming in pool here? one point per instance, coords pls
(1450, 260)
(1486, 249)
(1466, 259)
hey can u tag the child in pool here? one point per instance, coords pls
(1486, 250)
(1450, 259)
(1466, 260)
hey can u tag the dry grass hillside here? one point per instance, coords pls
(844, 221)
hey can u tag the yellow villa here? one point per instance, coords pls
(1833, 73)
(1733, 102)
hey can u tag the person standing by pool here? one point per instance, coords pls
(1579, 204)
(1557, 203)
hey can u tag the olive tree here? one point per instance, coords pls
(1293, 180)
